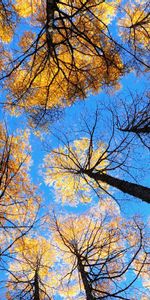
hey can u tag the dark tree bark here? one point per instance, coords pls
(36, 286)
(140, 127)
(50, 10)
(88, 290)
(136, 117)
(130, 188)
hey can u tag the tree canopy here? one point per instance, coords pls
(69, 50)
(74, 150)
(100, 257)
(84, 165)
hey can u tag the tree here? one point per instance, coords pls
(69, 50)
(19, 203)
(135, 117)
(76, 167)
(54, 53)
(134, 27)
(30, 276)
(103, 256)
(60, 172)
(60, 58)
(8, 20)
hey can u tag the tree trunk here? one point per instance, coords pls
(50, 9)
(36, 286)
(145, 129)
(130, 188)
(85, 281)
(135, 129)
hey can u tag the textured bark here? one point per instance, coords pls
(50, 10)
(85, 281)
(145, 129)
(130, 188)
(36, 286)
(137, 129)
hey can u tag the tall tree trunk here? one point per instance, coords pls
(130, 188)
(50, 10)
(36, 286)
(85, 281)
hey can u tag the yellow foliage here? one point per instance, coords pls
(46, 83)
(25, 8)
(32, 252)
(106, 206)
(6, 23)
(142, 264)
(69, 292)
(135, 25)
(103, 246)
(59, 76)
(93, 240)
(18, 201)
(26, 40)
(105, 10)
(63, 171)
(33, 255)
(6, 32)
(81, 232)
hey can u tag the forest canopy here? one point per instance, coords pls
(69, 50)
(74, 149)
